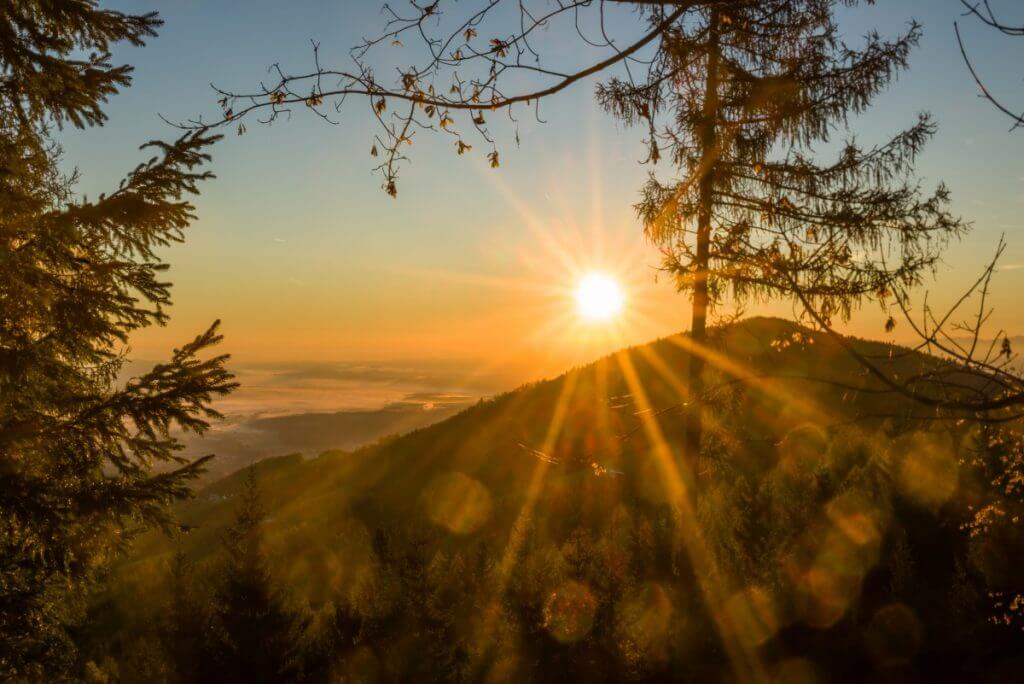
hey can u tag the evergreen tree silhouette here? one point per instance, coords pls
(186, 634)
(257, 635)
(744, 92)
(78, 443)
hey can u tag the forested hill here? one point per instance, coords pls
(549, 519)
(769, 377)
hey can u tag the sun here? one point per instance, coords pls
(599, 297)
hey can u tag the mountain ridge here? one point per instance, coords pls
(517, 441)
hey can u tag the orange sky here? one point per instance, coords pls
(304, 257)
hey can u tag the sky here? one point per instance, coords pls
(303, 257)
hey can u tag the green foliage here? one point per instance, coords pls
(55, 57)
(737, 98)
(86, 459)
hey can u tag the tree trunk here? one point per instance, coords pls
(698, 325)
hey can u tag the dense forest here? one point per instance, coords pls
(836, 545)
(755, 499)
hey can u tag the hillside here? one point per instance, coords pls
(550, 520)
(492, 441)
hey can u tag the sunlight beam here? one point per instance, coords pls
(746, 663)
(517, 533)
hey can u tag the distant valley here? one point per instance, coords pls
(309, 408)
(254, 439)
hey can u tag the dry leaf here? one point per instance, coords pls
(499, 47)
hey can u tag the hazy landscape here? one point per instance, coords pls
(306, 408)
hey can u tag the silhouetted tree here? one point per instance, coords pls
(257, 634)
(966, 378)
(338, 634)
(78, 445)
(749, 89)
(186, 633)
(56, 59)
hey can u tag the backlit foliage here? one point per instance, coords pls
(87, 458)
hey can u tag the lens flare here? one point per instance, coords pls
(599, 297)
(458, 502)
(894, 635)
(569, 612)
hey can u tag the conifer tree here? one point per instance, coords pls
(78, 443)
(745, 91)
(55, 59)
(186, 632)
(258, 635)
(337, 635)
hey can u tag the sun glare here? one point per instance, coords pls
(599, 297)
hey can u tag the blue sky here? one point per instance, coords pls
(304, 257)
